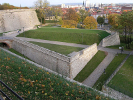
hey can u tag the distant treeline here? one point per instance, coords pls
(6, 6)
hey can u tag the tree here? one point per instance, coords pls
(126, 20)
(113, 20)
(100, 20)
(69, 24)
(41, 8)
(71, 15)
(83, 14)
(90, 22)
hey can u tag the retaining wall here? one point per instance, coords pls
(110, 40)
(11, 20)
(67, 66)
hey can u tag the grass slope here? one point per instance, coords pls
(90, 67)
(58, 48)
(33, 83)
(67, 35)
(109, 70)
(123, 80)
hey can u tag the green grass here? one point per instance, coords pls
(14, 51)
(91, 66)
(67, 35)
(59, 48)
(123, 80)
(109, 70)
(33, 83)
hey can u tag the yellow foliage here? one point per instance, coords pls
(90, 22)
(113, 19)
(69, 24)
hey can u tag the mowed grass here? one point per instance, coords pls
(91, 66)
(67, 35)
(33, 83)
(109, 70)
(14, 51)
(58, 48)
(123, 80)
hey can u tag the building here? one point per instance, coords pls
(87, 3)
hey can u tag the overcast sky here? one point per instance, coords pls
(30, 3)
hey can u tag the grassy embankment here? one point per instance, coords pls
(91, 66)
(59, 48)
(109, 70)
(33, 83)
(123, 80)
(78, 36)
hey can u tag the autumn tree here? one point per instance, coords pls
(6, 6)
(90, 22)
(41, 9)
(83, 14)
(100, 20)
(71, 15)
(69, 24)
(56, 11)
(113, 20)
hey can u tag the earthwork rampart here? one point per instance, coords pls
(65, 65)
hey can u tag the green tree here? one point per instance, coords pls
(83, 14)
(100, 20)
(41, 9)
(90, 22)
(125, 21)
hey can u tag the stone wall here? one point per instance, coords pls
(11, 20)
(67, 66)
(115, 94)
(79, 60)
(110, 40)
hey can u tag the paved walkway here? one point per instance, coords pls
(54, 42)
(90, 81)
(74, 45)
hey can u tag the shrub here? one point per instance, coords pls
(69, 24)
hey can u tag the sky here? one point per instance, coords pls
(30, 3)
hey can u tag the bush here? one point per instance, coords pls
(69, 24)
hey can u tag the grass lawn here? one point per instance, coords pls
(91, 66)
(33, 83)
(123, 80)
(58, 48)
(109, 70)
(14, 51)
(67, 35)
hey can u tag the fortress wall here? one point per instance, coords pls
(50, 59)
(111, 40)
(79, 61)
(67, 66)
(17, 19)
